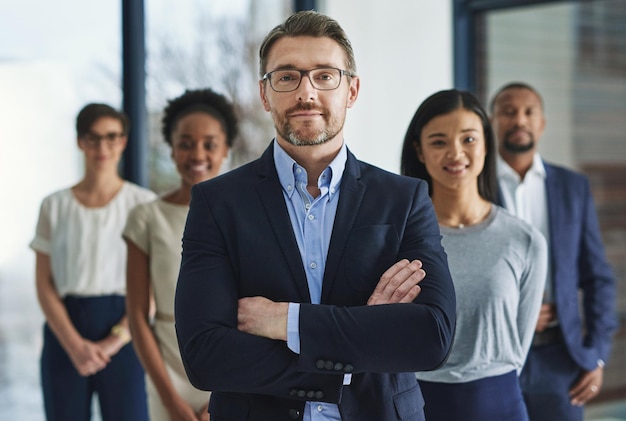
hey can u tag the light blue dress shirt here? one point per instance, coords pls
(312, 221)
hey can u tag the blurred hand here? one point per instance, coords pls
(88, 358)
(547, 314)
(587, 387)
(203, 413)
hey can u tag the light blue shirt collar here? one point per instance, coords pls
(286, 167)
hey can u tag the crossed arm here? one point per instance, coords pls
(266, 318)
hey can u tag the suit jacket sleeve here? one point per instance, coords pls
(596, 281)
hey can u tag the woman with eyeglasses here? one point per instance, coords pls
(81, 282)
(497, 262)
(200, 127)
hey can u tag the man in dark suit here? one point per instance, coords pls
(297, 295)
(564, 368)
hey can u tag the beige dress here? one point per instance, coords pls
(156, 228)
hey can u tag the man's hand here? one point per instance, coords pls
(399, 284)
(587, 387)
(547, 314)
(262, 317)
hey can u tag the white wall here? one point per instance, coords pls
(403, 52)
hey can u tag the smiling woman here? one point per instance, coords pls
(498, 262)
(80, 282)
(200, 126)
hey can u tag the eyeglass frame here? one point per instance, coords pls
(93, 140)
(268, 76)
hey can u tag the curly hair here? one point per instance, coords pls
(200, 100)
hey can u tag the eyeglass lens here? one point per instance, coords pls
(289, 80)
(110, 138)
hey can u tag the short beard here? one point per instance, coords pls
(290, 136)
(515, 148)
(287, 132)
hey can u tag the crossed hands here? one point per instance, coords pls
(90, 357)
(263, 317)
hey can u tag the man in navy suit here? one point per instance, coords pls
(573, 337)
(297, 296)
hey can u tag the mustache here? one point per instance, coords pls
(508, 133)
(305, 107)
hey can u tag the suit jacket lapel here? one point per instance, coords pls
(350, 198)
(271, 195)
(555, 219)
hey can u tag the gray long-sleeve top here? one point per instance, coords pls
(499, 269)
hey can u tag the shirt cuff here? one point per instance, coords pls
(293, 327)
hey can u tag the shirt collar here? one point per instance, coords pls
(504, 170)
(286, 167)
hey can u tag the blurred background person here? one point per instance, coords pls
(497, 261)
(573, 337)
(81, 281)
(200, 126)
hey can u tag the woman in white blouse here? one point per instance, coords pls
(81, 281)
(200, 127)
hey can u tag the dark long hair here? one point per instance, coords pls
(440, 103)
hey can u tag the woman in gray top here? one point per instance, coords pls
(497, 261)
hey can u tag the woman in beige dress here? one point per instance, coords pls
(200, 127)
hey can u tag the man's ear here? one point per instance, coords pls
(262, 94)
(355, 86)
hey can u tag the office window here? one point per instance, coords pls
(200, 44)
(54, 58)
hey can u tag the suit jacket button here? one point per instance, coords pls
(294, 414)
(293, 392)
(320, 364)
(338, 367)
(310, 394)
(301, 393)
(348, 368)
(329, 365)
(319, 395)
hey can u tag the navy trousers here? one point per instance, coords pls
(546, 379)
(497, 398)
(120, 387)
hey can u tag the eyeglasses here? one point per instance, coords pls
(323, 79)
(93, 140)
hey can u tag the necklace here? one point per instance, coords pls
(469, 221)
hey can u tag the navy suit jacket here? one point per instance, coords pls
(239, 242)
(579, 265)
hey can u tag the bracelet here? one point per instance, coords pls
(121, 332)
